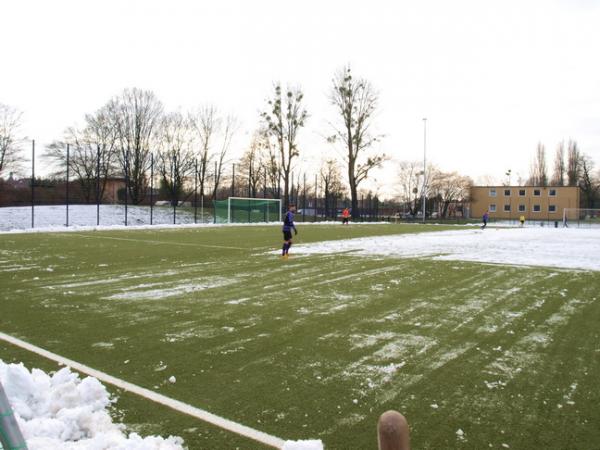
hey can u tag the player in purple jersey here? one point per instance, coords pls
(288, 226)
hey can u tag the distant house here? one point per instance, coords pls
(111, 190)
(533, 202)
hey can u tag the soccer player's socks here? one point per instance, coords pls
(284, 249)
(288, 247)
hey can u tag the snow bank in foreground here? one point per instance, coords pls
(64, 412)
(569, 248)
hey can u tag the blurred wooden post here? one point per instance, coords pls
(392, 431)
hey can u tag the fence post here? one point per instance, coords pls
(126, 183)
(98, 185)
(10, 434)
(233, 180)
(196, 190)
(151, 187)
(392, 431)
(32, 183)
(67, 186)
(174, 185)
(316, 195)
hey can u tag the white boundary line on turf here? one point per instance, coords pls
(190, 410)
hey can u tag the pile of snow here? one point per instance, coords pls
(64, 412)
(567, 248)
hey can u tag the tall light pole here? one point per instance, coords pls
(424, 165)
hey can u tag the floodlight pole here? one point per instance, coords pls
(424, 165)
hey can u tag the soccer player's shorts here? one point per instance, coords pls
(287, 235)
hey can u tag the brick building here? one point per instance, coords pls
(533, 202)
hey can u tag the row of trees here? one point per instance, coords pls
(132, 135)
(571, 168)
(444, 188)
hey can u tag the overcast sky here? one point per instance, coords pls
(492, 77)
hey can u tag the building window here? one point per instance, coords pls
(506, 208)
(521, 208)
(521, 192)
(537, 208)
(507, 192)
(492, 192)
(537, 192)
(552, 193)
(552, 208)
(493, 207)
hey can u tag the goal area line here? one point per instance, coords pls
(176, 405)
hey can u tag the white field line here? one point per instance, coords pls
(190, 410)
(185, 244)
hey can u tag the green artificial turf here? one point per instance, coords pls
(316, 347)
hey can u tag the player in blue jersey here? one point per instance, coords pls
(288, 226)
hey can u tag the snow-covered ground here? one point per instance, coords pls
(64, 412)
(19, 218)
(567, 248)
(112, 217)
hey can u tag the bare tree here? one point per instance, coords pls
(205, 123)
(283, 120)
(176, 163)
(212, 131)
(135, 115)
(252, 165)
(539, 175)
(331, 181)
(589, 185)
(449, 187)
(92, 154)
(273, 170)
(489, 180)
(228, 129)
(10, 138)
(355, 101)
(573, 164)
(410, 179)
(558, 176)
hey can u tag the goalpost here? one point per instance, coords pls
(581, 217)
(247, 210)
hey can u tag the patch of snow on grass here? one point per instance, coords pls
(569, 248)
(180, 289)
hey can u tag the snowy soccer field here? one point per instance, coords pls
(483, 339)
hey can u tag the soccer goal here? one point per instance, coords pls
(247, 210)
(581, 217)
